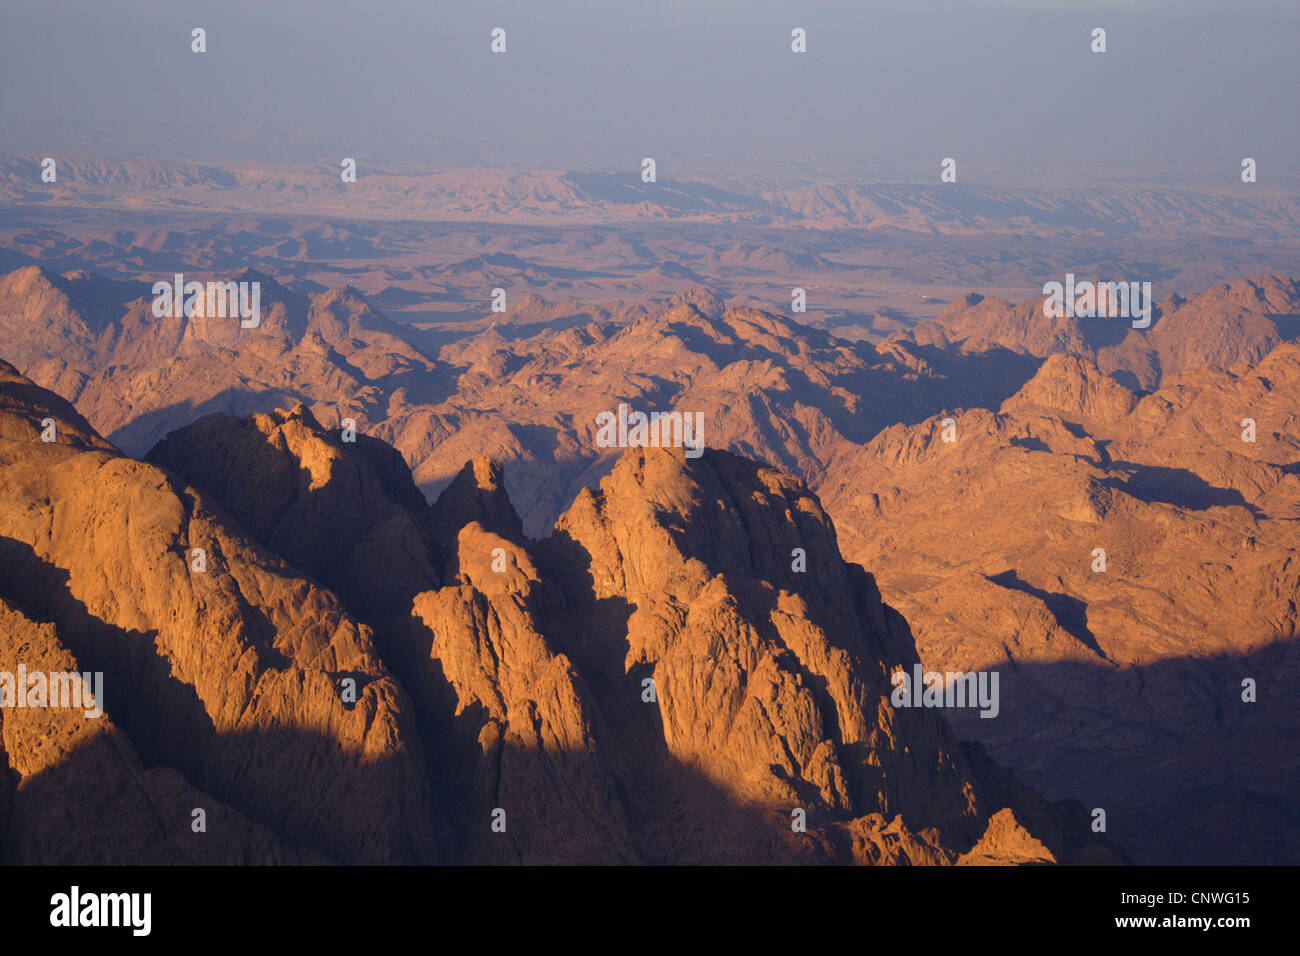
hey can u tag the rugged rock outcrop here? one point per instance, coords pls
(225, 665)
(77, 791)
(1006, 843)
(684, 664)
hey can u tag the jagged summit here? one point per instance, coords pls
(478, 493)
(701, 298)
(1073, 385)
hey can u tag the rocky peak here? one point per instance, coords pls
(1076, 386)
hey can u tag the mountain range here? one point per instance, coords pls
(352, 675)
(1122, 687)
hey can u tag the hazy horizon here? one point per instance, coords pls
(1011, 90)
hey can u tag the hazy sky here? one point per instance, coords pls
(1010, 89)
